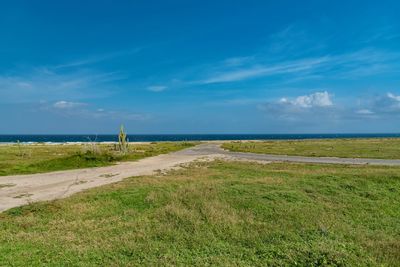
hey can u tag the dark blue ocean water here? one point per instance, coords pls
(178, 137)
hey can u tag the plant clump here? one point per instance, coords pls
(123, 141)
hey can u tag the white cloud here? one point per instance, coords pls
(394, 97)
(318, 99)
(66, 105)
(305, 108)
(365, 112)
(320, 105)
(157, 88)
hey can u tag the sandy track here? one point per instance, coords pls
(17, 190)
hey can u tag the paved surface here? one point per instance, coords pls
(17, 190)
(215, 149)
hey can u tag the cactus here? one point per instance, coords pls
(123, 142)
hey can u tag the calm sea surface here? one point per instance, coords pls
(178, 137)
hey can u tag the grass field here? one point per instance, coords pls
(382, 148)
(218, 213)
(24, 159)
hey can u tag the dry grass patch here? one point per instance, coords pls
(26, 159)
(381, 148)
(217, 213)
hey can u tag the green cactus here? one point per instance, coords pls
(123, 142)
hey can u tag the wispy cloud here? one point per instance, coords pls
(67, 105)
(97, 58)
(296, 54)
(157, 88)
(357, 64)
(237, 61)
(379, 34)
(66, 90)
(89, 111)
(293, 55)
(262, 70)
(293, 40)
(364, 112)
(383, 105)
(43, 83)
(67, 79)
(243, 101)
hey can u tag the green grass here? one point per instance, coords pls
(218, 213)
(382, 148)
(25, 159)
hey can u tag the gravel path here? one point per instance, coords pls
(17, 190)
(328, 160)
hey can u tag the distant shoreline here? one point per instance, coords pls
(210, 138)
(110, 143)
(136, 138)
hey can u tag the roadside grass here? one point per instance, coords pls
(380, 148)
(217, 213)
(26, 159)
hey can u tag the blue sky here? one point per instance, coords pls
(199, 66)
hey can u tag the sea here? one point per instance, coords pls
(71, 138)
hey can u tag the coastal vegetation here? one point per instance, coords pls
(37, 158)
(123, 142)
(217, 213)
(380, 148)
